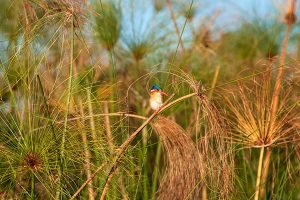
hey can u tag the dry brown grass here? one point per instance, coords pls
(124, 147)
(217, 153)
(255, 124)
(217, 162)
(251, 113)
(182, 175)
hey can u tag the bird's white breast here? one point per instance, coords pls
(156, 101)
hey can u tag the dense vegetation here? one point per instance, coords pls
(75, 120)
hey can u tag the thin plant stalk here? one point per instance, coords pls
(181, 34)
(91, 113)
(110, 142)
(93, 129)
(156, 167)
(214, 82)
(142, 162)
(87, 154)
(265, 172)
(123, 189)
(122, 149)
(112, 74)
(109, 179)
(277, 88)
(88, 180)
(112, 78)
(27, 61)
(32, 186)
(145, 176)
(259, 171)
(112, 68)
(169, 5)
(62, 149)
(204, 193)
(53, 135)
(278, 84)
(13, 100)
(108, 129)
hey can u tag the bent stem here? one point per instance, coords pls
(88, 180)
(122, 149)
(259, 170)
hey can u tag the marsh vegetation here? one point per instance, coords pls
(75, 119)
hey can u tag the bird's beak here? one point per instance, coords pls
(163, 93)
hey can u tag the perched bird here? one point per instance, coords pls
(156, 97)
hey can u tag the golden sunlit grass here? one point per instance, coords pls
(251, 110)
(254, 124)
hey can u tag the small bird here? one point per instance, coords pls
(156, 97)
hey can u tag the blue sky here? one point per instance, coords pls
(233, 12)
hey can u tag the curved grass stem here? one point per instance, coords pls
(122, 149)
